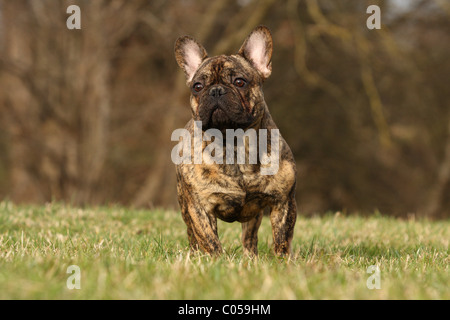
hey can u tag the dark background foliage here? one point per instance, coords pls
(86, 115)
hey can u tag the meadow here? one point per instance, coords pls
(143, 254)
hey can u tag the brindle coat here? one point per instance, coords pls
(233, 192)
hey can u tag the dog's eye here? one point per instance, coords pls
(198, 87)
(239, 82)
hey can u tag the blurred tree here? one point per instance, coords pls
(87, 114)
(57, 94)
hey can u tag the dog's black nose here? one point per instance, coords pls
(217, 91)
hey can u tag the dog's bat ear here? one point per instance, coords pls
(257, 49)
(189, 55)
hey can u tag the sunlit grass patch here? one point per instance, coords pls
(144, 254)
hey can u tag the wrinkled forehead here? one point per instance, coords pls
(223, 67)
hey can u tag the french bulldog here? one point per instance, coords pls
(226, 94)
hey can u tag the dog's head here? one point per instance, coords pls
(226, 90)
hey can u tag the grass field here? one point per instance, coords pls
(143, 254)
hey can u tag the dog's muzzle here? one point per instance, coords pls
(217, 91)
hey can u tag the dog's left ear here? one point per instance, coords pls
(257, 49)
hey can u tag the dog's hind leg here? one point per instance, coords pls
(250, 235)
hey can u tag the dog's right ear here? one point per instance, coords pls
(189, 54)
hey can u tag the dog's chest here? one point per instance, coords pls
(234, 192)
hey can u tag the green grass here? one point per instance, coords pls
(142, 254)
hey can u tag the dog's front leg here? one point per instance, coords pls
(282, 218)
(203, 226)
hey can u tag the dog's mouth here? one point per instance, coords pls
(217, 115)
(218, 119)
(224, 116)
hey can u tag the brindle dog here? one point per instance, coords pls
(226, 93)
